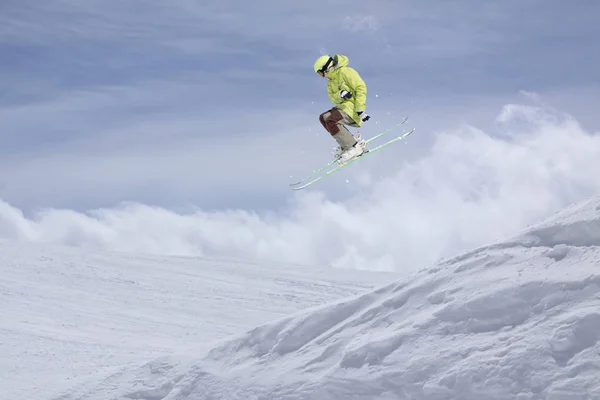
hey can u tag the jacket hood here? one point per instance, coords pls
(340, 61)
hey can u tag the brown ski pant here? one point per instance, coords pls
(335, 121)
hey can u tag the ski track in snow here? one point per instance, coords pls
(519, 319)
(69, 316)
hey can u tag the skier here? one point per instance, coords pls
(348, 92)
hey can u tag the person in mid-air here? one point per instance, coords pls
(348, 91)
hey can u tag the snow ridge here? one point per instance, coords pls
(514, 320)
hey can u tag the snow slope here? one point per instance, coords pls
(518, 319)
(69, 315)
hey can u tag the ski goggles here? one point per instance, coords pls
(325, 67)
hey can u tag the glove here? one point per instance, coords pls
(344, 94)
(363, 116)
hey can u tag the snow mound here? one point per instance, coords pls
(514, 320)
(69, 315)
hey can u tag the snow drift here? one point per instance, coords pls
(518, 319)
(67, 315)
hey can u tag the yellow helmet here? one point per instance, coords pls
(322, 64)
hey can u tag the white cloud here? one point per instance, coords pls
(361, 23)
(471, 188)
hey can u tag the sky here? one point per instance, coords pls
(175, 127)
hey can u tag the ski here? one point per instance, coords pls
(336, 159)
(331, 171)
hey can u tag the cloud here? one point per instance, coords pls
(361, 23)
(470, 188)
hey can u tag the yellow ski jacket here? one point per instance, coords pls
(344, 77)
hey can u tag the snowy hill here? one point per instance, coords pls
(518, 319)
(69, 315)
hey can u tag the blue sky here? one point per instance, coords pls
(213, 105)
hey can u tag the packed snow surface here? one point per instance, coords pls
(70, 315)
(518, 319)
